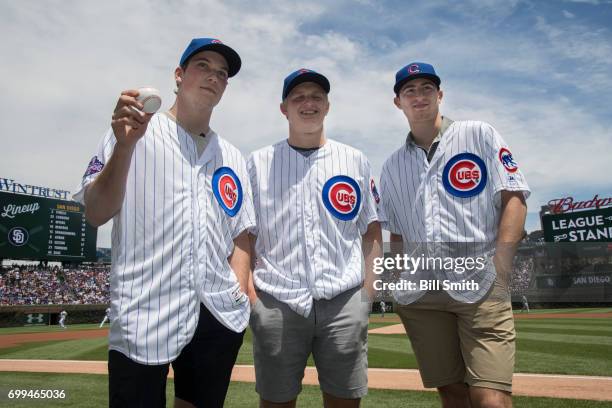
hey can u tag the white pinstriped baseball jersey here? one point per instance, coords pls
(311, 213)
(453, 199)
(171, 240)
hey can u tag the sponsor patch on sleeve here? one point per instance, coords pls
(506, 159)
(374, 191)
(94, 166)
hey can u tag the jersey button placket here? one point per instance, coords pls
(428, 201)
(201, 222)
(309, 197)
(435, 207)
(195, 231)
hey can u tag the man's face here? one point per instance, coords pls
(419, 99)
(306, 107)
(204, 79)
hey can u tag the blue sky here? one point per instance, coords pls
(539, 71)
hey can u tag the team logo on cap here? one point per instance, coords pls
(374, 191)
(465, 175)
(505, 157)
(414, 69)
(342, 197)
(227, 190)
(215, 41)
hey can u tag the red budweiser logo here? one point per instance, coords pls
(561, 205)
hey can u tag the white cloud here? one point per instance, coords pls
(567, 14)
(591, 2)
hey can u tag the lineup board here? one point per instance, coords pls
(40, 228)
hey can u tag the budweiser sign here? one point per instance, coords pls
(567, 204)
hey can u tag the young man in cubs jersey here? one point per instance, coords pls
(316, 218)
(454, 187)
(180, 200)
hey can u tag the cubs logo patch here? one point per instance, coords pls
(342, 197)
(227, 189)
(94, 166)
(464, 175)
(374, 191)
(505, 157)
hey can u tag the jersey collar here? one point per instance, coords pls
(211, 148)
(446, 122)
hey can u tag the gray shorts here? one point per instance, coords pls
(336, 333)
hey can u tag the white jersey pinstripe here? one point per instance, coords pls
(304, 251)
(417, 206)
(170, 242)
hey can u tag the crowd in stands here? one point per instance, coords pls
(522, 274)
(41, 285)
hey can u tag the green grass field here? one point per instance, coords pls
(86, 391)
(560, 346)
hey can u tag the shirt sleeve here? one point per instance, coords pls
(252, 175)
(245, 219)
(369, 200)
(386, 214)
(96, 164)
(503, 168)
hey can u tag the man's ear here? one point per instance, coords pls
(396, 102)
(283, 108)
(178, 76)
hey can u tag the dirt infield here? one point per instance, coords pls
(12, 340)
(391, 329)
(554, 386)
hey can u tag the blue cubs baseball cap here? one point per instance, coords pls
(212, 44)
(304, 75)
(413, 71)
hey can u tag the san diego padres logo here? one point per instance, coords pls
(227, 190)
(465, 175)
(342, 197)
(505, 157)
(18, 236)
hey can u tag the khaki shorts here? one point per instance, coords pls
(462, 343)
(335, 332)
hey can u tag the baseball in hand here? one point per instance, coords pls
(150, 99)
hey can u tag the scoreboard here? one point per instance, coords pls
(40, 228)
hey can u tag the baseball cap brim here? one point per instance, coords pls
(434, 78)
(307, 77)
(233, 59)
